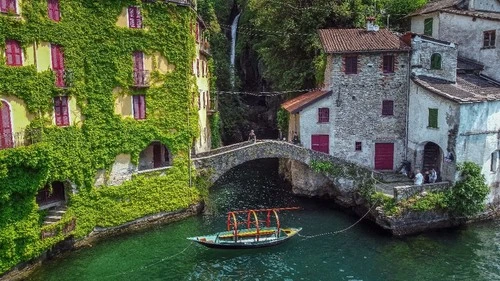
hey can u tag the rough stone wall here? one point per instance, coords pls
(467, 33)
(420, 134)
(484, 5)
(357, 107)
(422, 51)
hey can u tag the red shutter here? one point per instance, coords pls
(13, 53)
(198, 67)
(139, 107)
(7, 6)
(58, 64)
(139, 74)
(61, 111)
(53, 9)
(387, 107)
(5, 126)
(384, 156)
(320, 143)
(134, 17)
(323, 115)
(197, 31)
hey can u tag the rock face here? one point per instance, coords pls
(306, 182)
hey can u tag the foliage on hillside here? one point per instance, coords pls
(99, 54)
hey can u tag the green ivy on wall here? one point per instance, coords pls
(99, 55)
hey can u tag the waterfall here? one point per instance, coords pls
(234, 27)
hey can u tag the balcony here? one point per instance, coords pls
(205, 48)
(142, 78)
(64, 78)
(18, 139)
(212, 106)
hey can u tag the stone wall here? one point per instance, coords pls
(357, 106)
(405, 192)
(422, 51)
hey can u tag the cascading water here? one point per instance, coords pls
(234, 28)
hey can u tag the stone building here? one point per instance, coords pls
(363, 117)
(471, 24)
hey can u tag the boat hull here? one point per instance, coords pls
(225, 240)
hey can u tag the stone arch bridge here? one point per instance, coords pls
(219, 161)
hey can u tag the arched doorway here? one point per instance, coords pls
(51, 196)
(432, 157)
(5, 126)
(156, 155)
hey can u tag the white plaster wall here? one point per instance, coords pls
(479, 136)
(309, 122)
(418, 132)
(485, 5)
(417, 24)
(467, 32)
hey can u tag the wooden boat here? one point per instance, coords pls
(257, 234)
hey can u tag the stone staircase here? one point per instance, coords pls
(54, 215)
(389, 180)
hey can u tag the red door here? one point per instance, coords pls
(320, 143)
(5, 126)
(58, 64)
(384, 156)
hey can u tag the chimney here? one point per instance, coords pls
(370, 24)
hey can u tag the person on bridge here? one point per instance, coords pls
(295, 139)
(252, 136)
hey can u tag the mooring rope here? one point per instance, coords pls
(338, 231)
(149, 265)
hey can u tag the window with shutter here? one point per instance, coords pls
(428, 26)
(388, 64)
(8, 6)
(57, 59)
(197, 32)
(436, 61)
(489, 38)
(387, 107)
(139, 107)
(61, 111)
(197, 67)
(134, 17)
(433, 118)
(13, 53)
(358, 146)
(53, 10)
(351, 64)
(323, 115)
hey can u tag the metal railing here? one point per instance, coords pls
(22, 138)
(142, 78)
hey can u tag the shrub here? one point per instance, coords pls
(467, 196)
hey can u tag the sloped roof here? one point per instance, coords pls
(468, 88)
(360, 40)
(435, 6)
(297, 104)
(468, 64)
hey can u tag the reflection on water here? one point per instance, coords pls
(362, 253)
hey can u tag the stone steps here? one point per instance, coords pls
(54, 215)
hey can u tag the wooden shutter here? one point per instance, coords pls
(7, 6)
(323, 115)
(13, 53)
(198, 67)
(139, 107)
(351, 64)
(5, 126)
(433, 118)
(387, 107)
(134, 17)
(388, 64)
(428, 26)
(61, 111)
(58, 64)
(436, 61)
(53, 9)
(139, 74)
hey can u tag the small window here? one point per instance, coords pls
(323, 115)
(428, 26)
(494, 160)
(13, 53)
(388, 66)
(139, 107)
(436, 61)
(489, 39)
(358, 146)
(197, 32)
(53, 10)
(8, 6)
(387, 107)
(433, 118)
(351, 65)
(61, 111)
(134, 17)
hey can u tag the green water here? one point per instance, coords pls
(362, 253)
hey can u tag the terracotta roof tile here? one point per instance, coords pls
(296, 104)
(469, 88)
(434, 6)
(360, 40)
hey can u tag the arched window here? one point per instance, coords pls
(436, 61)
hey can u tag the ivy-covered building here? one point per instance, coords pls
(102, 104)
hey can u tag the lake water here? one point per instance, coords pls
(363, 252)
